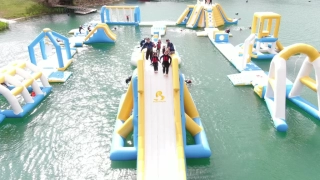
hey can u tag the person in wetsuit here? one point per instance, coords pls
(155, 61)
(142, 42)
(163, 49)
(158, 47)
(170, 47)
(188, 81)
(149, 45)
(80, 28)
(128, 79)
(166, 62)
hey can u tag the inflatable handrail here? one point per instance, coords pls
(141, 124)
(177, 117)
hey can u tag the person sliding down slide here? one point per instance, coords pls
(166, 63)
(155, 61)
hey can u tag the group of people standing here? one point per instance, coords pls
(154, 56)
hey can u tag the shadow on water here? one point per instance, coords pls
(281, 135)
(198, 162)
(124, 164)
(296, 108)
(103, 46)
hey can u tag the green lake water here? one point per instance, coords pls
(69, 135)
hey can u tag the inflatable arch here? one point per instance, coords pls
(277, 91)
(18, 75)
(124, 15)
(62, 64)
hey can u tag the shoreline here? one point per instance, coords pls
(85, 4)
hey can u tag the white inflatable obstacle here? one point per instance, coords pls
(16, 81)
(278, 89)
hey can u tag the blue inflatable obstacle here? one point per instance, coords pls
(100, 34)
(121, 15)
(52, 61)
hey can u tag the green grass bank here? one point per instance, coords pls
(3, 26)
(11, 9)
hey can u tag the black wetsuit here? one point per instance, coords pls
(170, 46)
(155, 60)
(80, 28)
(163, 50)
(142, 43)
(166, 63)
(149, 46)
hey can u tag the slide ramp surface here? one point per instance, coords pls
(161, 157)
(217, 17)
(193, 20)
(224, 15)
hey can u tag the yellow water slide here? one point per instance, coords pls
(217, 17)
(194, 16)
(223, 13)
(183, 15)
(201, 22)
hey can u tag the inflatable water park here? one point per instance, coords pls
(157, 110)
